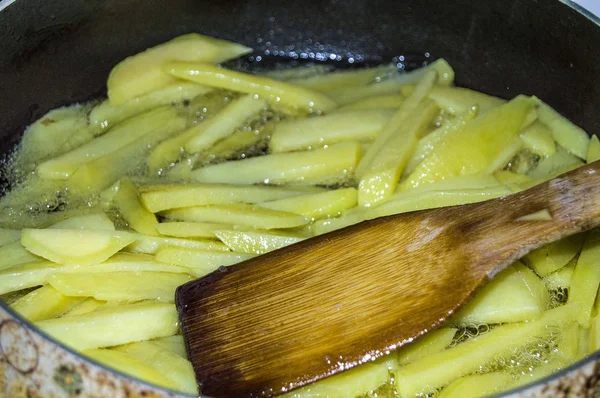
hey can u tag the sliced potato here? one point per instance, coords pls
(141, 73)
(113, 326)
(325, 165)
(343, 79)
(23, 276)
(353, 216)
(88, 305)
(44, 303)
(238, 214)
(74, 246)
(182, 229)
(586, 279)
(593, 153)
(125, 262)
(62, 167)
(119, 286)
(14, 254)
(283, 94)
(539, 140)
(429, 344)
(390, 101)
(233, 116)
(200, 262)
(553, 165)
(552, 257)
(458, 100)
(566, 134)
(477, 385)
(255, 242)
(98, 221)
(560, 279)
(472, 149)
(150, 244)
(128, 203)
(9, 236)
(174, 344)
(316, 205)
(170, 196)
(315, 132)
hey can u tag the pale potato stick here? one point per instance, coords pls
(150, 244)
(175, 368)
(593, 153)
(113, 326)
(101, 173)
(560, 279)
(223, 124)
(62, 167)
(105, 115)
(174, 344)
(90, 221)
(199, 262)
(44, 303)
(458, 100)
(317, 205)
(130, 366)
(381, 176)
(141, 73)
(87, 306)
(344, 79)
(255, 241)
(119, 286)
(128, 203)
(389, 101)
(586, 279)
(299, 72)
(125, 262)
(569, 136)
(276, 92)
(169, 150)
(323, 165)
(9, 236)
(538, 139)
(180, 229)
(477, 385)
(14, 253)
(509, 151)
(552, 257)
(75, 246)
(431, 343)
(315, 132)
(350, 217)
(169, 196)
(412, 102)
(23, 276)
(238, 214)
(474, 182)
(240, 142)
(472, 149)
(558, 163)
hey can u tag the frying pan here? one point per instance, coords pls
(54, 53)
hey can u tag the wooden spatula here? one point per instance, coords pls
(326, 304)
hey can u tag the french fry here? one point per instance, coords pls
(63, 166)
(458, 100)
(105, 115)
(128, 203)
(119, 286)
(283, 94)
(538, 139)
(129, 365)
(472, 149)
(88, 305)
(380, 178)
(141, 73)
(554, 256)
(223, 124)
(298, 72)
(74, 246)
(390, 101)
(477, 385)
(316, 205)
(560, 279)
(14, 254)
(44, 303)
(125, 262)
(558, 163)
(182, 229)
(431, 343)
(23, 276)
(586, 279)
(113, 326)
(325, 165)
(157, 198)
(352, 78)
(254, 241)
(174, 344)
(593, 153)
(176, 369)
(353, 216)
(315, 132)
(238, 214)
(150, 244)
(200, 262)
(566, 134)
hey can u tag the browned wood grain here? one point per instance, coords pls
(326, 304)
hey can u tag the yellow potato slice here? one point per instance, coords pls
(458, 100)
(87, 306)
(317, 205)
(477, 385)
(105, 115)
(586, 279)
(428, 374)
(125, 262)
(174, 344)
(255, 242)
(23, 276)
(325, 165)
(151, 244)
(559, 163)
(514, 295)
(429, 344)
(238, 214)
(343, 79)
(141, 73)
(128, 203)
(44, 303)
(170, 196)
(62, 167)
(14, 254)
(176, 369)
(74, 246)
(200, 262)
(119, 286)
(472, 149)
(390, 101)
(234, 115)
(113, 326)
(282, 94)
(560, 279)
(539, 140)
(593, 153)
(574, 139)
(130, 366)
(552, 257)
(182, 229)
(315, 132)
(98, 221)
